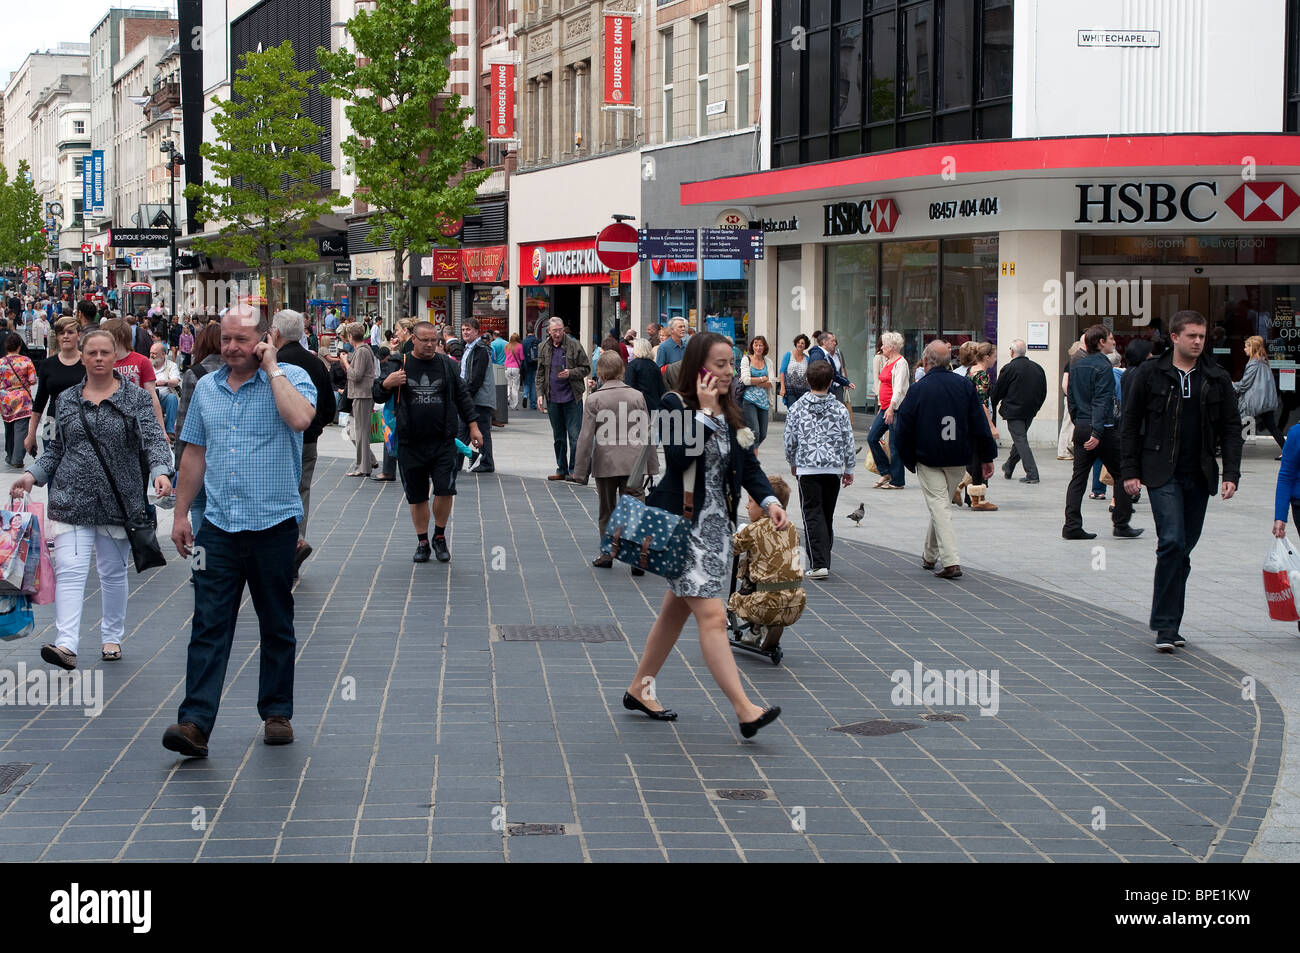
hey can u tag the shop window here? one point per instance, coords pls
(666, 43)
(970, 289)
(917, 58)
(957, 31)
(852, 309)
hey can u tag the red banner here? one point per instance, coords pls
(485, 265)
(618, 59)
(446, 264)
(503, 101)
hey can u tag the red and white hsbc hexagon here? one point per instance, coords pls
(884, 215)
(1263, 201)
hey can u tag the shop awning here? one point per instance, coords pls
(976, 162)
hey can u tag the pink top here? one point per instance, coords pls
(515, 355)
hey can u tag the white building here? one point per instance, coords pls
(59, 136)
(1019, 158)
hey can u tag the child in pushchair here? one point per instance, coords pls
(767, 581)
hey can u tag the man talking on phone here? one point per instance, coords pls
(244, 434)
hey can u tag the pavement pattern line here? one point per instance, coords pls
(1015, 786)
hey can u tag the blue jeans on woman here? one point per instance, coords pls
(756, 420)
(893, 465)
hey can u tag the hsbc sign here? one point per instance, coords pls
(860, 218)
(1263, 201)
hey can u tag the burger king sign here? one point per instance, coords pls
(567, 262)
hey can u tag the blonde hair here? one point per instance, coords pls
(982, 350)
(642, 347)
(780, 489)
(966, 353)
(1255, 348)
(64, 323)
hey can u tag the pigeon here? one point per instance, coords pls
(857, 514)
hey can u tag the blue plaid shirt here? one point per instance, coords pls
(254, 459)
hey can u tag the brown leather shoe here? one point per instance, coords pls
(603, 561)
(927, 565)
(186, 739)
(949, 572)
(984, 506)
(278, 731)
(558, 476)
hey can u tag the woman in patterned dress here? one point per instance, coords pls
(982, 360)
(701, 426)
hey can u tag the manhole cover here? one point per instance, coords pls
(944, 716)
(742, 794)
(559, 633)
(520, 830)
(881, 726)
(9, 773)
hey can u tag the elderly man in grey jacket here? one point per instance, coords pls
(615, 431)
(561, 372)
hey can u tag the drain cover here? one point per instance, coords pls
(742, 794)
(558, 633)
(881, 726)
(519, 830)
(944, 716)
(9, 773)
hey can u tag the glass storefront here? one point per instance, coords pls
(873, 287)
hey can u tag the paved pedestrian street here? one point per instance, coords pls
(427, 730)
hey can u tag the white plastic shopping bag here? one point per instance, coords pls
(1282, 581)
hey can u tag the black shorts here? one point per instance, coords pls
(438, 464)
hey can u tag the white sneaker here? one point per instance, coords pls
(817, 573)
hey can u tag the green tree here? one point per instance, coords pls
(411, 139)
(23, 220)
(7, 250)
(260, 170)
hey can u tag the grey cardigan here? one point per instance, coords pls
(79, 492)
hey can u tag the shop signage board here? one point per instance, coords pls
(1119, 38)
(564, 262)
(1036, 336)
(139, 237)
(342, 266)
(97, 180)
(667, 243)
(1099, 202)
(486, 265)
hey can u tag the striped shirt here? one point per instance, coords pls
(253, 458)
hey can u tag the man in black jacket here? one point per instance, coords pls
(938, 427)
(432, 402)
(1018, 396)
(1091, 396)
(286, 332)
(1178, 409)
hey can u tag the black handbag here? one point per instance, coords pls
(141, 530)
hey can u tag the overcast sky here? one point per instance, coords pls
(31, 25)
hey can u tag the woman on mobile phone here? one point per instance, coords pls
(704, 429)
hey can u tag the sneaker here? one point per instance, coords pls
(475, 460)
(1179, 640)
(422, 552)
(440, 549)
(817, 573)
(1166, 641)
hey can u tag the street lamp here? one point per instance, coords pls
(174, 161)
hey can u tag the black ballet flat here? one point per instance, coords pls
(632, 704)
(750, 728)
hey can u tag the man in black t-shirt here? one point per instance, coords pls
(432, 402)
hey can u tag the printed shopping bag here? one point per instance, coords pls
(16, 548)
(376, 427)
(42, 591)
(1281, 576)
(390, 428)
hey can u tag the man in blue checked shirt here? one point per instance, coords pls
(244, 434)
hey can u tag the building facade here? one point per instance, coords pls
(976, 189)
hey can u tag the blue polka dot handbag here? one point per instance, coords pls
(649, 537)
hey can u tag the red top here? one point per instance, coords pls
(887, 383)
(137, 369)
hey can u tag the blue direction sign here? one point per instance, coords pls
(732, 243)
(676, 243)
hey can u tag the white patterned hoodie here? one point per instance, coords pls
(819, 437)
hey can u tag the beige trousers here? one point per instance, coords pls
(938, 484)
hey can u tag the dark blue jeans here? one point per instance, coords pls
(264, 560)
(893, 466)
(756, 419)
(566, 424)
(1179, 511)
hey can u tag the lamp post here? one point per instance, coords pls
(174, 161)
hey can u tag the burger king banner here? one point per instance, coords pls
(618, 59)
(503, 101)
(571, 262)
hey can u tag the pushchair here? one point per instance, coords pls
(760, 632)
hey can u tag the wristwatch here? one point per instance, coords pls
(276, 373)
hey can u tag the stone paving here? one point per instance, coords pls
(421, 735)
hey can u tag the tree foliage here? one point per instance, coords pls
(260, 168)
(22, 239)
(411, 140)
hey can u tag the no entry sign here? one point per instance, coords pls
(616, 246)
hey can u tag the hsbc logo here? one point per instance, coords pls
(1263, 202)
(860, 218)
